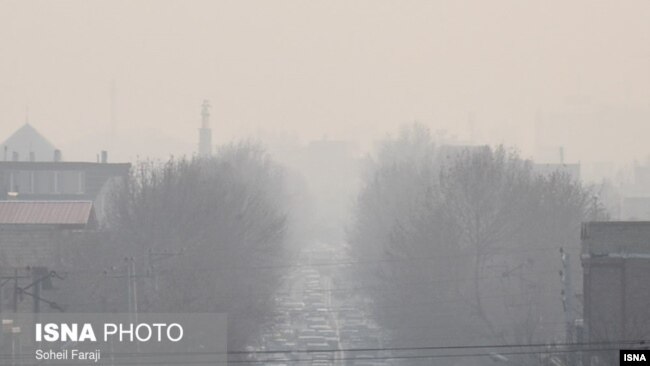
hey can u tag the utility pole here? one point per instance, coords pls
(131, 277)
(5, 280)
(129, 290)
(155, 257)
(39, 276)
(134, 298)
(132, 288)
(15, 290)
(567, 302)
(37, 296)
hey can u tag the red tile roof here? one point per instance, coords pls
(46, 212)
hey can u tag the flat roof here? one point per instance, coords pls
(607, 237)
(62, 165)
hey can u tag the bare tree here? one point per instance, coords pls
(205, 235)
(462, 247)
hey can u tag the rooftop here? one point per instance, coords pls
(46, 212)
(621, 237)
(25, 141)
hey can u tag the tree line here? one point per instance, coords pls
(460, 245)
(192, 235)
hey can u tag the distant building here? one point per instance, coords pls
(48, 207)
(635, 209)
(642, 175)
(32, 233)
(57, 180)
(27, 144)
(37, 237)
(47, 177)
(616, 285)
(640, 182)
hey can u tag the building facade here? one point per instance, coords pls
(49, 209)
(616, 285)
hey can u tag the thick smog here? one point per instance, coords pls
(324, 183)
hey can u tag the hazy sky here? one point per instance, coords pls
(345, 69)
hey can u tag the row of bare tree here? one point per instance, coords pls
(461, 245)
(192, 235)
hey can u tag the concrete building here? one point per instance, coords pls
(616, 286)
(58, 180)
(30, 230)
(44, 176)
(48, 207)
(36, 238)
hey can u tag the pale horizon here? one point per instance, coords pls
(337, 70)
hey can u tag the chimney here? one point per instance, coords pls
(57, 155)
(104, 156)
(15, 156)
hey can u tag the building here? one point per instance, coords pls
(48, 208)
(27, 144)
(32, 232)
(616, 269)
(58, 180)
(37, 238)
(33, 169)
(635, 208)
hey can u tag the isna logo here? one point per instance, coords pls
(634, 357)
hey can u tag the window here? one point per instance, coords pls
(71, 182)
(43, 182)
(48, 182)
(21, 181)
(82, 182)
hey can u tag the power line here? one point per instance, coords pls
(361, 358)
(390, 286)
(229, 266)
(573, 347)
(415, 305)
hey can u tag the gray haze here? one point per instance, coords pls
(353, 183)
(346, 70)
